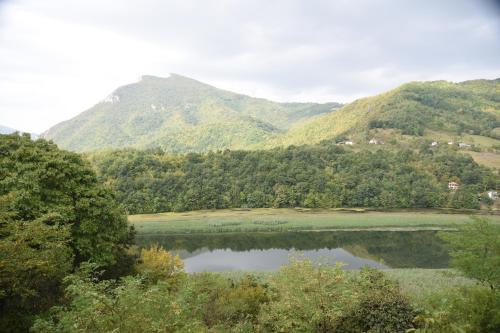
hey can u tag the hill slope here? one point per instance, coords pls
(179, 114)
(416, 108)
(10, 130)
(6, 130)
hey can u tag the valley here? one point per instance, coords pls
(249, 166)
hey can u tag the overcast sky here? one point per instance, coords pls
(60, 57)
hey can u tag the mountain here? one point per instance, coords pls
(180, 114)
(433, 109)
(9, 130)
(6, 130)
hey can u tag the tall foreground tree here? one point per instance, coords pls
(475, 250)
(53, 215)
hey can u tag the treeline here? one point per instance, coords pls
(323, 176)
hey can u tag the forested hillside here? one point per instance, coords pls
(323, 175)
(179, 114)
(416, 108)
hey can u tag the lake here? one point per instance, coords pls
(270, 250)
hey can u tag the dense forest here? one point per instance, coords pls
(322, 175)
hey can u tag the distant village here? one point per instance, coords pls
(374, 141)
(492, 195)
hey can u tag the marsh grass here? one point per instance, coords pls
(421, 285)
(269, 219)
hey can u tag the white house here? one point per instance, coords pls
(453, 186)
(450, 142)
(434, 143)
(463, 145)
(493, 195)
(373, 142)
(349, 142)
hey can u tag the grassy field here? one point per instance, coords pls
(270, 219)
(491, 160)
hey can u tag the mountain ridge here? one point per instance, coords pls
(414, 108)
(10, 130)
(179, 114)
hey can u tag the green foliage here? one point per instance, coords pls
(128, 306)
(201, 302)
(478, 309)
(380, 308)
(470, 107)
(301, 297)
(475, 250)
(230, 301)
(53, 215)
(34, 258)
(156, 264)
(39, 180)
(306, 298)
(179, 114)
(465, 197)
(309, 176)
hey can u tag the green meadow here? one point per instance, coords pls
(283, 219)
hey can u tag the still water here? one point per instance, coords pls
(269, 251)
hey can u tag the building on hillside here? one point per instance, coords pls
(373, 142)
(434, 143)
(493, 195)
(464, 145)
(450, 142)
(453, 186)
(349, 142)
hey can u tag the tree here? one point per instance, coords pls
(475, 250)
(38, 179)
(53, 215)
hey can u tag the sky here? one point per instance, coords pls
(59, 57)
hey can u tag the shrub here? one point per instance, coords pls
(234, 302)
(157, 264)
(129, 306)
(380, 308)
(306, 298)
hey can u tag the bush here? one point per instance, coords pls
(380, 308)
(306, 298)
(231, 302)
(129, 306)
(471, 310)
(157, 264)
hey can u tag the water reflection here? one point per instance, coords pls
(255, 251)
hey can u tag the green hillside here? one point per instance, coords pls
(179, 114)
(416, 109)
